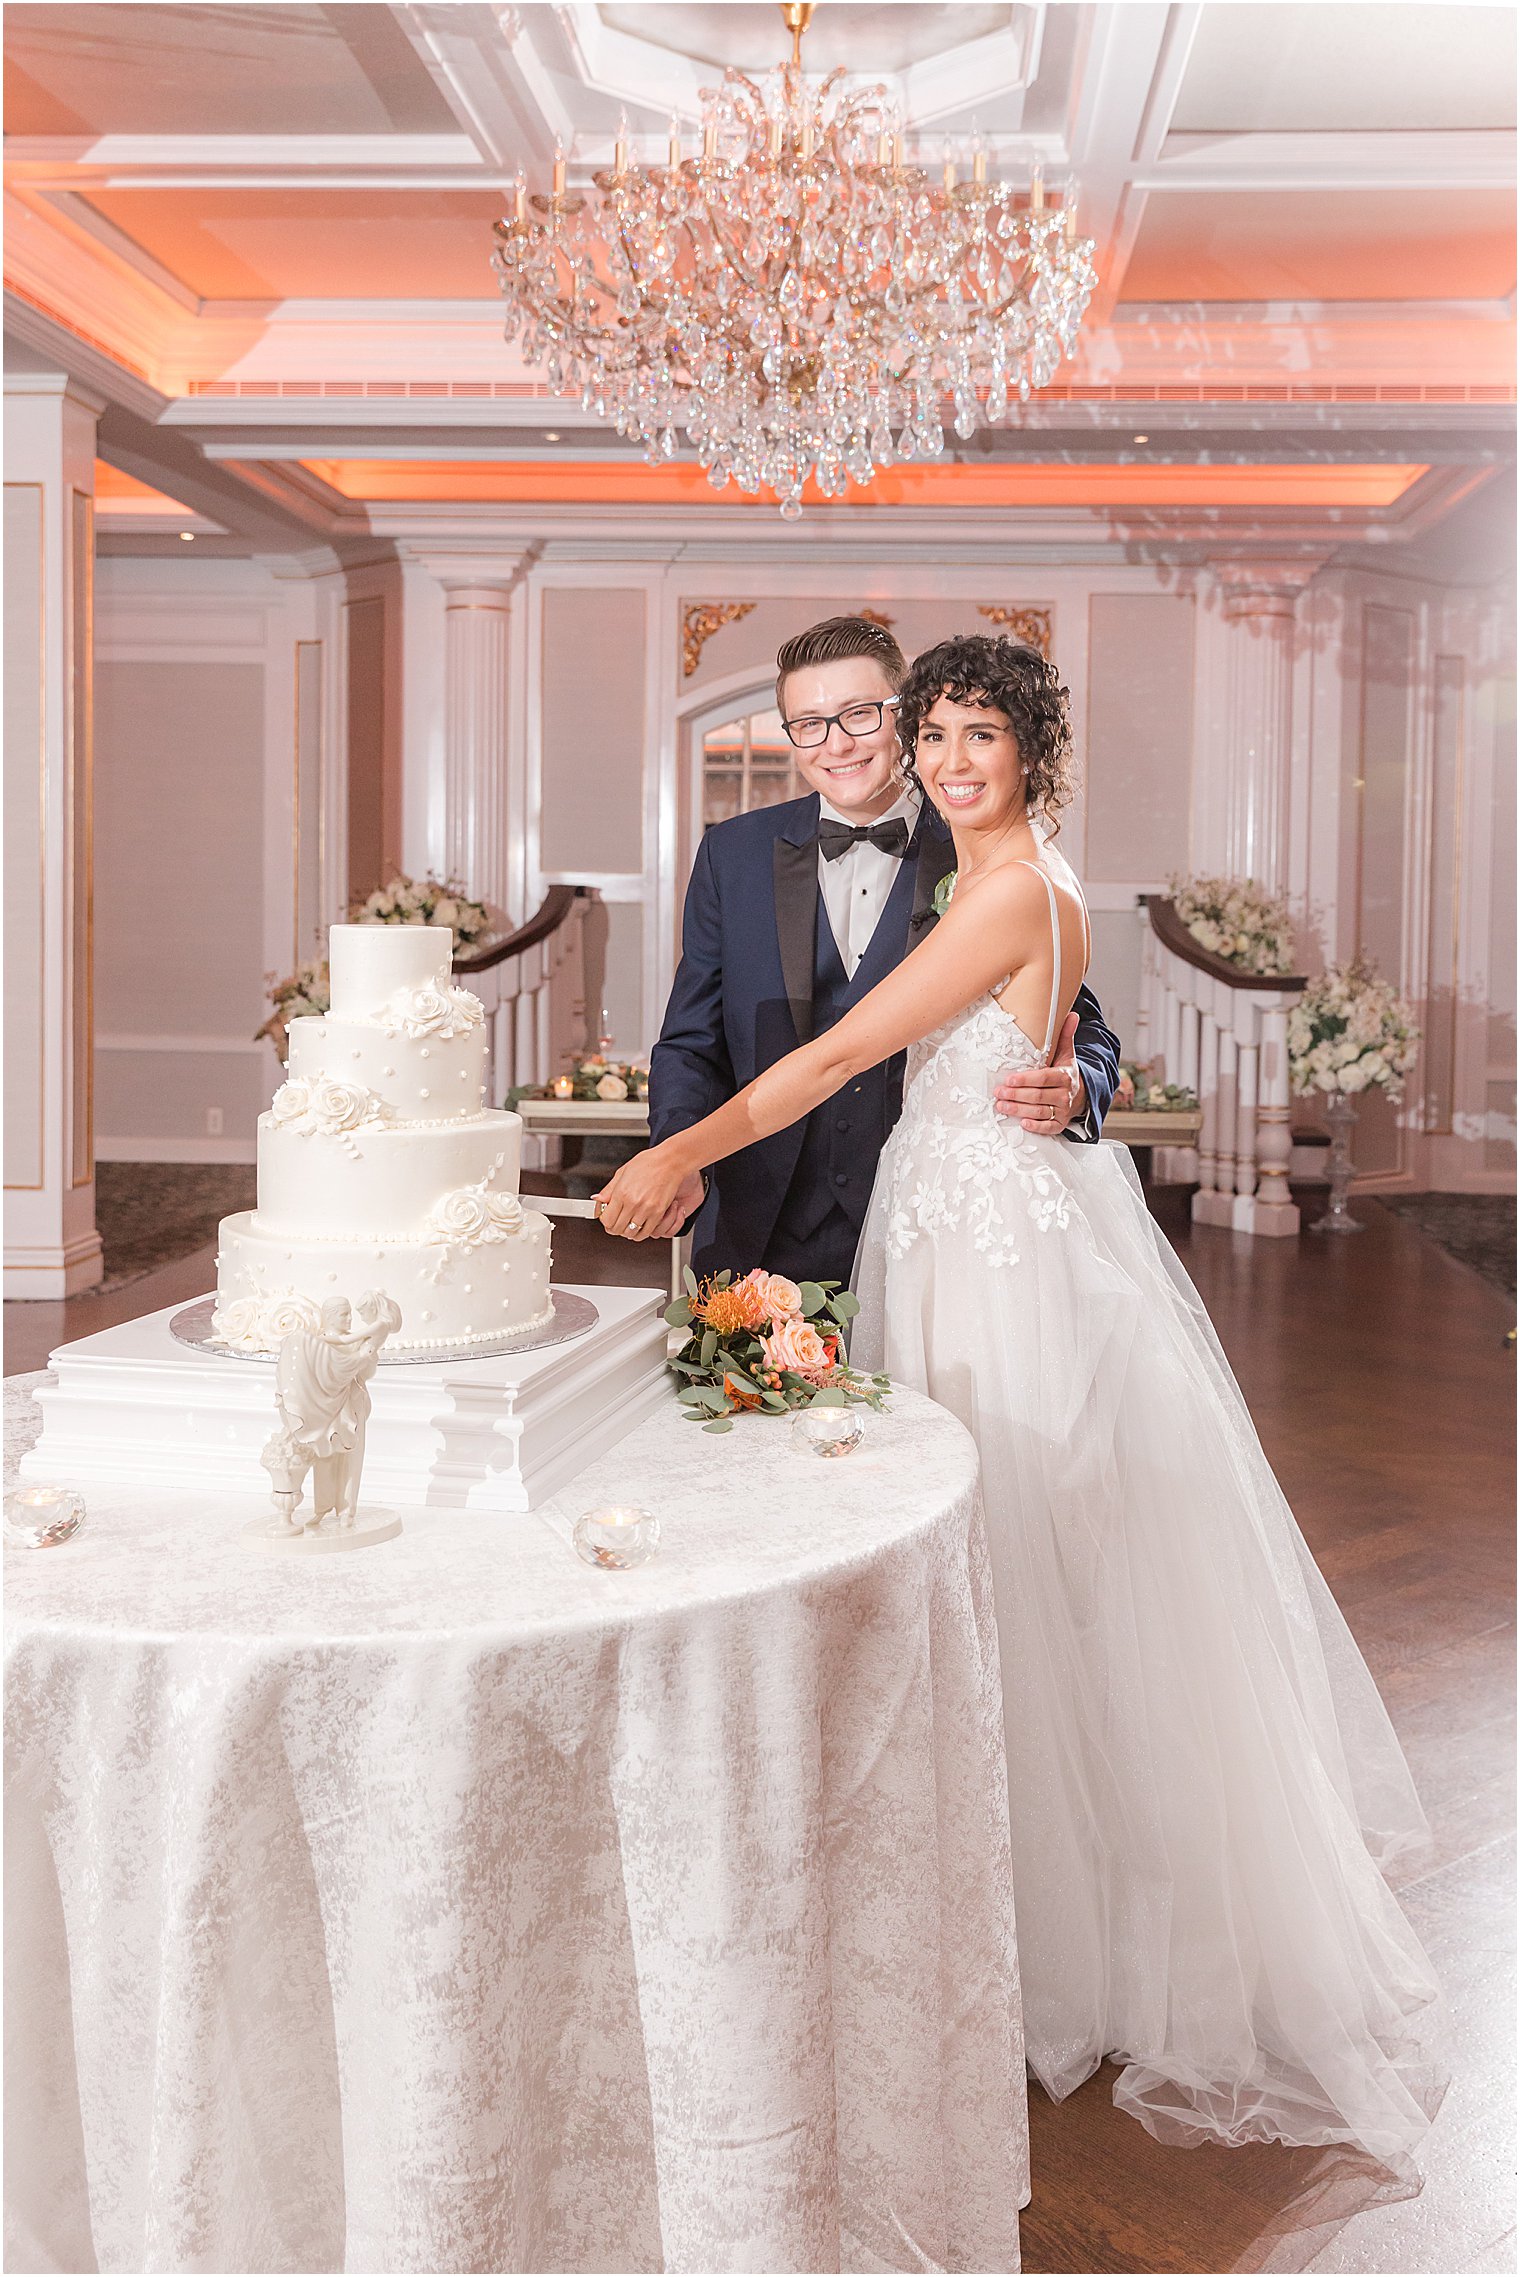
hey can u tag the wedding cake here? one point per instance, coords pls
(381, 1167)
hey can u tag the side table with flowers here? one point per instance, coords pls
(1349, 1032)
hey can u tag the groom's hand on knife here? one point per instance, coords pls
(1046, 1099)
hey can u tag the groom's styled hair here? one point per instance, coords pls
(834, 642)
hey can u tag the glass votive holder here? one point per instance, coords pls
(618, 1537)
(828, 1431)
(40, 1517)
(563, 1087)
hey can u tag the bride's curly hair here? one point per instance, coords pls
(999, 675)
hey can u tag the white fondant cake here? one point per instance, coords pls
(381, 1167)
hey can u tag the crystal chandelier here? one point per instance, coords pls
(799, 297)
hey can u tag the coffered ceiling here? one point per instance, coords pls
(262, 232)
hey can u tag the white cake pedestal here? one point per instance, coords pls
(132, 1406)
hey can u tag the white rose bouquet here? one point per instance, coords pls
(425, 901)
(1236, 919)
(1351, 1031)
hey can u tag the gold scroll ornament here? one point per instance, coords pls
(1031, 626)
(701, 620)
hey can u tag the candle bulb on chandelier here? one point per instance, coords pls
(620, 160)
(897, 153)
(775, 137)
(1037, 192)
(884, 147)
(710, 137)
(807, 140)
(675, 144)
(949, 169)
(521, 210)
(559, 170)
(978, 159)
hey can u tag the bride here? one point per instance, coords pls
(1204, 1786)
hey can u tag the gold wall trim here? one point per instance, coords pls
(1031, 626)
(37, 1186)
(699, 622)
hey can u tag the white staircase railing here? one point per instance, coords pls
(1223, 1033)
(523, 980)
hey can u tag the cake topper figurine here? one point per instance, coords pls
(322, 1396)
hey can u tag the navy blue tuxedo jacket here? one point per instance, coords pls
(743, 998)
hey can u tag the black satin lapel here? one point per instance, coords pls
(796, 879)
(936, 859)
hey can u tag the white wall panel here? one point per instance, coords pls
(1139, 754)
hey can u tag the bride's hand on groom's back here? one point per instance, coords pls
(650, 1198)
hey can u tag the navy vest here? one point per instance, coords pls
(843, 1138)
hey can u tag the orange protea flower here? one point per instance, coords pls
(739, 1394)
(729, 1310)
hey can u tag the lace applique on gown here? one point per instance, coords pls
(1204, 1785)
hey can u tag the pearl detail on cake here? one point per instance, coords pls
(425, 1053)
(427, 1316)
(387, 1071)
(424, 1094)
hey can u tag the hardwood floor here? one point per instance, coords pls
(1377, 1371)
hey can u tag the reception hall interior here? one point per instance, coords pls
(391, 534)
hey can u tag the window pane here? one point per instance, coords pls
(772, 775)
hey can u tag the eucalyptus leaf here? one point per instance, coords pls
(678, 1315)
(845, 1306)
(725, 1425)
(812, 1297)
(690, 1278)
(829, 1396)
(709, 1346)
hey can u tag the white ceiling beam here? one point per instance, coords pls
(484, 67)
(1114, 101)
(65, 157)
(1392, 161)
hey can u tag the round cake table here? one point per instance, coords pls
(455, 1906)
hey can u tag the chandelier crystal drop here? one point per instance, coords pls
(798, 298)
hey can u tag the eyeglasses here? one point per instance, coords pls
(856, 719)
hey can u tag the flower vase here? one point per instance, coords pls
(1340, 1114)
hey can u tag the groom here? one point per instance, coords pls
(792, 915)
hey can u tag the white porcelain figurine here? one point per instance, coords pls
(322, 1394)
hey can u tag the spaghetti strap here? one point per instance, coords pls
(1055, 943)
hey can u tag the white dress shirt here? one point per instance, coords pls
(856, 886)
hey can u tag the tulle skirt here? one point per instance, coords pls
(1204, 1785)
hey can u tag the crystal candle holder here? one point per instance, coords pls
(40, 1517)
(618, 1537)
(828, 1431)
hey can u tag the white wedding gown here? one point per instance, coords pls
(1203, 1783)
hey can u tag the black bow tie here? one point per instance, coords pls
(836, 838)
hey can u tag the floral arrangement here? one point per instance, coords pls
(1236, 919)
(1349, 1031)
(765, 1345)
(1137, 1090)
(428, 901)
(594, 1077)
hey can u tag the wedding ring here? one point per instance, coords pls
(633, 1225)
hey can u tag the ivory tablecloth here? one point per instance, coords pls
(452, 1906)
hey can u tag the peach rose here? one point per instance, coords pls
(798, 1346)
(783, 1298)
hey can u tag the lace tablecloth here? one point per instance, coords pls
(453, 1906)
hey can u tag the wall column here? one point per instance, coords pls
(1258, 600)
(463, 784)
(51, 1246)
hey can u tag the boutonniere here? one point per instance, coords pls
(943, 892)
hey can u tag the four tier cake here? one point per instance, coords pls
(381, 1167)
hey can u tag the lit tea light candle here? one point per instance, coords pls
(617, 1537)
(563, 1087)
(40, 1517)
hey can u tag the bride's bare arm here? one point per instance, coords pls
(980, 939)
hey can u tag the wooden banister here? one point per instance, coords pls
(1169, 929)
(546, 920)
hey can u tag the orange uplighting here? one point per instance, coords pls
(1101, 487)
